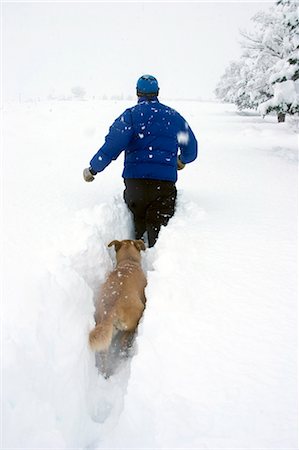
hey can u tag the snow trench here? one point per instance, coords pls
(68, 403)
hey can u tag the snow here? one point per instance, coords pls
(214, 362)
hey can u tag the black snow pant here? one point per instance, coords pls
(152, 203)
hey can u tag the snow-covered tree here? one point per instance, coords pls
(232, 87)
(265, 78)
(226, 88)
(78, 92)
(251, 84)
(285, 73)
(260, 56)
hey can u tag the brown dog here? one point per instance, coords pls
(122, 300)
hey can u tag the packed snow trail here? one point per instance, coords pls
(215, 356)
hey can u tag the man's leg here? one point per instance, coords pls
(160, 211)
(134, 197)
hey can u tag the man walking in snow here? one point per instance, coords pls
(157, 142)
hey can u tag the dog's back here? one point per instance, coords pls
(122, 300)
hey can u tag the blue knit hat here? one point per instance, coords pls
(147, 85)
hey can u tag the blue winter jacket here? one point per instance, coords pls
(152, 136)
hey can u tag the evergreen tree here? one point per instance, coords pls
(285, 73)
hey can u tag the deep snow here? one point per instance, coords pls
(215, 357)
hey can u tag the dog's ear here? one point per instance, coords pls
(139, 245)
(117, 245)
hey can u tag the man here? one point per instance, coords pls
(157, 142)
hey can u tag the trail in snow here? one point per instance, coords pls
(214, 361)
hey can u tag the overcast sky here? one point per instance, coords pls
(48, 48)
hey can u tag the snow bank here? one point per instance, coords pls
(49, 369)
(214, 362)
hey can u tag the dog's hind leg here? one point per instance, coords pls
(126, 342)
(102, 364)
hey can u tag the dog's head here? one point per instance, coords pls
(128, 249)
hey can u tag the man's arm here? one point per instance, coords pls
(119, 136)
(188, 144)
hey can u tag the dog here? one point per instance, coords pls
(122, 300)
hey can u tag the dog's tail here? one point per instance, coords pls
(101, 336)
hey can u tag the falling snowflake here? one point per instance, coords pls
(183, 137)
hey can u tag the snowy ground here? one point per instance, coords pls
(215, 357)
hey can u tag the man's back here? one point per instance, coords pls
(158, 132)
